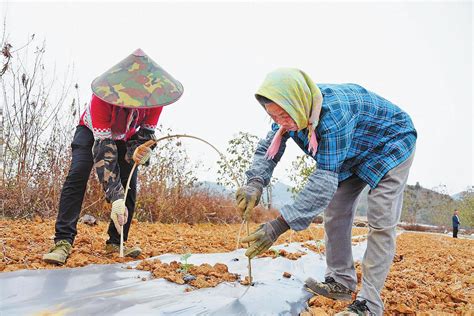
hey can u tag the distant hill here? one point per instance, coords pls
(281, 195)
(420, 205)
(280, 192)
(426, 206)
(214, 187)
(463, 194)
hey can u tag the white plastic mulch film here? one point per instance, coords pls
(115, 290)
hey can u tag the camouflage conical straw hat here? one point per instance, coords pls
(137, 82)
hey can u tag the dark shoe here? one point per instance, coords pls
(329, 288)
(58, 253)
(127, 252)
(357, 308)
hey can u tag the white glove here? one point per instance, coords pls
(119, 214)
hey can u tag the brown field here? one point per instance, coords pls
(431, 273)
(24, 242)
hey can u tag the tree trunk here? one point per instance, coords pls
(269, 196)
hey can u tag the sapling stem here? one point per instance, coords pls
(151, 143)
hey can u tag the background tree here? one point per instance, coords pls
(239, 155)
(411, 203)
(40, 111)
(301, 168)
(466, 208)
(35, 134)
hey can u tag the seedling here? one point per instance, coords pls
(185, 266)
(319, 243)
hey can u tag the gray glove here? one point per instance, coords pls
(248, 197)
(264, 237)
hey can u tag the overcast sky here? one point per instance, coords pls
(417, 55)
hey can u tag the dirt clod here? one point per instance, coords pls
(246, 281)
(431, 275)
(201, 276)
(273, 253)
(23, 242)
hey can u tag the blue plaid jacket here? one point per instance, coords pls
(359, 133)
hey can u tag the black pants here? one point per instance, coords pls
(455, 232)
(72, 194)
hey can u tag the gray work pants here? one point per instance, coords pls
(384, 209)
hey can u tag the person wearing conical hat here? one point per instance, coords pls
(356, 138)
(126, 104)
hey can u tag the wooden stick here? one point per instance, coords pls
(150, 143)
(125, 197)
(121, 242)
(250, 260)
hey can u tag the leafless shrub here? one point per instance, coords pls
(40, 116)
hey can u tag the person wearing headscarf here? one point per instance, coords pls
(125, 107)
(356, 138)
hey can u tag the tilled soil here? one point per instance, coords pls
(201, 276)
(274, 253)
(431, 275)
(23, 243)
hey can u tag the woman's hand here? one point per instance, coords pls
(264, 237)
(142, 154)
(248, 197)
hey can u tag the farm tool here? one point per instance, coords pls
(150, 143)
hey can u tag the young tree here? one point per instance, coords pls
(30, 109)
(301, 168)
(411, 203)
(239, 159)
(466, 208)
(6, 56)
(441, 189)
(34, 116)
